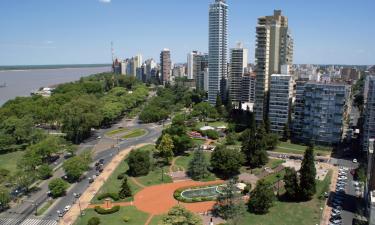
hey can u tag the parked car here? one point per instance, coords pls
(355, 161)
(66, 209)
(60, 213)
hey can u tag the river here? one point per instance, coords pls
(23, 82)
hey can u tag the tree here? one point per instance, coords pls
(286, 132)
(308, 174)
(125, 190)
(226, 162)
(178, 215)
(57, 187)
(4, 198)
(24, 179)
(262, 198)
(198, 166)
(165, 148)
(219, 104)
(254, 146)
(291, 183)
(230, 139)
(229, 204)
(139, 162)
(44, 171)
(76, 166)
(204, 110)
(79, 116)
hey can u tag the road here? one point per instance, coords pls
(351, 201)
(25, 211)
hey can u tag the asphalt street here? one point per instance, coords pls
(27, 208)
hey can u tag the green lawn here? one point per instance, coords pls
(136, 217)
(291, 213)
(287, 147)
(155, 220)
(116, 131)
(212, 124)
(9, 161)
(183, 161)
(135, 133)
(44, 207)
(155, 177)
(198, 142)
(272, 163)
(113, 184)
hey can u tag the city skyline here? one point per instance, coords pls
(335, 32)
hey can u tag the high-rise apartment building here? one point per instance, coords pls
(191, 69)
(298, 111)
(238, 64)
(248, 88)
(281, 93)
(369, 111)
(150, 64)
(165, 65)
(326, 109)
(274, 47)
(217, 48)
(196, 63)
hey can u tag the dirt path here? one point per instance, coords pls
(137, 182)
(173, 164)
(149, 219)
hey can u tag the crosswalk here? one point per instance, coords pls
(18, 221)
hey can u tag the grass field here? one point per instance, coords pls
(212, 124)
(135, 133)
(155, 220)
(183, 161)
(116, 131)
(291, 213)
(272, 163)
(136, 217)
(287, 147)
(113, 184)
(9, 161)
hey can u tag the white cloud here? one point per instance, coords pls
(105, 1)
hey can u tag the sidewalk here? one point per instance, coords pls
(84, 201)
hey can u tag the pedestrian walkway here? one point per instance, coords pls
(88, 195)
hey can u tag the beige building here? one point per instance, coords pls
(274, 47)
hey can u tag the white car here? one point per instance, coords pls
(355, 160)
(66, 209)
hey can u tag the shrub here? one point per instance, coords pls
(102, 211)
(126, 219)
(113, 196)
(212, 134)
(93, 221)
(120, 176)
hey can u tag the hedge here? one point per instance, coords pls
(113, 196)
(102, 211)
(93, 221)
(177, 195)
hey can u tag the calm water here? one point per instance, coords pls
(23, 82)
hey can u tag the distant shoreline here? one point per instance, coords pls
(38, 67)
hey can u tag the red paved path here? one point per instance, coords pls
(158, 199)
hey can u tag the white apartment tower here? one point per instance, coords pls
(281, 93)
(217, 47)
(238, 65)
(274, 47)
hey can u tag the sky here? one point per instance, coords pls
(40, 32)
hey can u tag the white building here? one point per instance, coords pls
(217, 47)
(281, 92)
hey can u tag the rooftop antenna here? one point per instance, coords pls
(112, 52)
